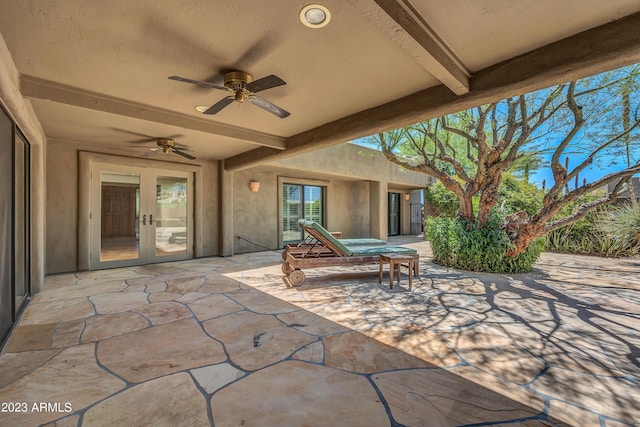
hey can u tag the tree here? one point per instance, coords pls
(469, 151)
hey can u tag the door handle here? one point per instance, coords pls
(144, 219)
(151, 219)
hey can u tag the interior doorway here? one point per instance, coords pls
(143, 215)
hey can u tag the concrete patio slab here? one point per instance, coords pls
(224, 341)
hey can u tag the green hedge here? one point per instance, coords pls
(461, 245)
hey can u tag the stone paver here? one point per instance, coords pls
(299, 394)
(224, 341)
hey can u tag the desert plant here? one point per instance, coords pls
(623, 223)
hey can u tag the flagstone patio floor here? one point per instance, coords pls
(224, 342)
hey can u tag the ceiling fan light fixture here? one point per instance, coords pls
(315, 16)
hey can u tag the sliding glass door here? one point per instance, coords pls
(14, 223)
(140, 215)
(298, 202)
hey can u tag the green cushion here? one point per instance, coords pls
(326, 235)
(377, 250)
(362, 242)
(355, 250)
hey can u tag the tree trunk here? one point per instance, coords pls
(466, 208)
(523, 236)
(488, 199)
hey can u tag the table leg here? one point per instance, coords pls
(391, 266)
(380, 272)
(410, 272)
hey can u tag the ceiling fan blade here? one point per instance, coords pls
(265, 83)
(215, 108)
(269, 106)
(182, 147)
(180, 153)
(200, 83)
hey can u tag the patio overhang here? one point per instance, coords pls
(377, 65)
(604, 48)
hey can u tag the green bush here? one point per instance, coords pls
(443, 201)
(518, 195)
(461, 245)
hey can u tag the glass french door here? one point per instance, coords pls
(300, 201)
(140, 215)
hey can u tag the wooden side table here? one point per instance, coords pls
(412, 262)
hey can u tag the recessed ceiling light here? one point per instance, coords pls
(202, 108)
(315, 16)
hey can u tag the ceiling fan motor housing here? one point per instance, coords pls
(237, 81)
(165, 143)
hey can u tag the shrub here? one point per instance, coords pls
(443, 201)
(517, 195)
(461, 245)
(608, 232)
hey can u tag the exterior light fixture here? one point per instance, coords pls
(315, 16)
(407, 196)
(254, 186)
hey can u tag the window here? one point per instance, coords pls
(298, 202)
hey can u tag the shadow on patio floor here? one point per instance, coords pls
(224, 341)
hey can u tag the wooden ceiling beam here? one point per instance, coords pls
(613, 45)
(43, 89)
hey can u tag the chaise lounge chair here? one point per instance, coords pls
(310, 242)
(328, 251)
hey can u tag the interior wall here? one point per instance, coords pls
(63, 205)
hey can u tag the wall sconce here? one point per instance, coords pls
(254, 186)
(407, 196)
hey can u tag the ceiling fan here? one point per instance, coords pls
(244, 89)
(167, 146)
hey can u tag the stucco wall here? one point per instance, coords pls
(348, 208)
(62, 208)
(348, 171)
(355, 161)
(256, 216)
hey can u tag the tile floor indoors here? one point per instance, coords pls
(224, 342)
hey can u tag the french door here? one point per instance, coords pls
(139, 215)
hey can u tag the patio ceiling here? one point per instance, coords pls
(96, 72)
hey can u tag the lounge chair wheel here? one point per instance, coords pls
(296, 277)
(284, 255)
(286, 268)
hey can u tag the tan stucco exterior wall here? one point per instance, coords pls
(357, 180)
(20, 109)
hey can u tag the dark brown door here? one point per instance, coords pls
(118, 211)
